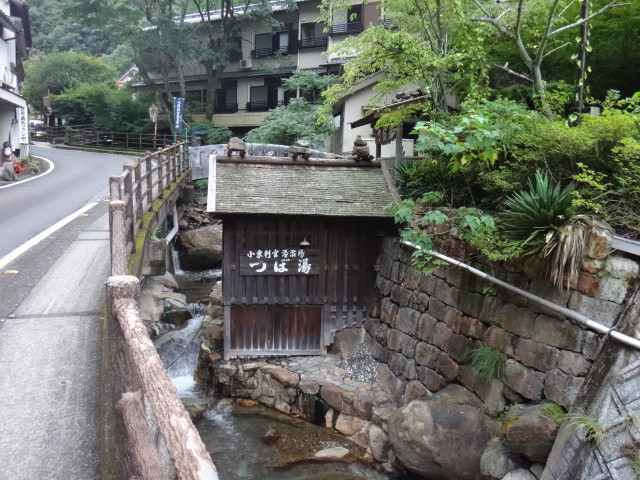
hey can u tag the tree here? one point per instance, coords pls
(430, 45)
(59, 71)
(512, 20)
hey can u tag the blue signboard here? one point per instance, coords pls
(178, 108)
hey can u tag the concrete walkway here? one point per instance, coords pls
(51, 332)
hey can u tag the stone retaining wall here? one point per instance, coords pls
(425, 327)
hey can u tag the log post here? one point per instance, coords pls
(118, 238)
(188, 453)
(129, 199)
(142, 449)
(114, 187)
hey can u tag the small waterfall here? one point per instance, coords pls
(177, 269)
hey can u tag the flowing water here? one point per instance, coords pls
(234, 434)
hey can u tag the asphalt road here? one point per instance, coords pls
(77, 179)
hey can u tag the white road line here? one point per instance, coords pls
(44, 234)
(49, 170)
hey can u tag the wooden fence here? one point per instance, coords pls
(154, 437)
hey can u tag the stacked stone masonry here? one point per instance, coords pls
(424, 327)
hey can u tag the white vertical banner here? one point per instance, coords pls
(23, 121)
(211, 188)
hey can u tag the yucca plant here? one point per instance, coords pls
(547, 223)
(536, 214)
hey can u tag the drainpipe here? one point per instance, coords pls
(578, 317)
(175, 228)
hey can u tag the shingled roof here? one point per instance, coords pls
(297, 188)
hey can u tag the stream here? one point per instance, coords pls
(248, 442)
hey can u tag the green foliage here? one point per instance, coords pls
(287, 124)
(309, 83)
(214, 134)
(105, 107)
(489, 362)
(534, 215)
(554, 411)
(59, 71)
(590, 426)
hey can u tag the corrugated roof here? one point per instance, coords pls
(297, 189)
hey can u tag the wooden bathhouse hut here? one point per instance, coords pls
(300, 244)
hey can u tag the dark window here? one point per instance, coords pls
(312, 35)
(347, 22)
(266, 97)
(227, 97)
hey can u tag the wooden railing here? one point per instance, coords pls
(134, 191)
(153, 436)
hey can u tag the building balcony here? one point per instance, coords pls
(351, 28)
(318, 42)
(263, 106)
(226, 108)
(269, 52)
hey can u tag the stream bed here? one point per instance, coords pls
(250, 442)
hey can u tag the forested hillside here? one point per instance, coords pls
(56, 31)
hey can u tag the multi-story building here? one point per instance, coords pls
(15, 43)
(252, 84)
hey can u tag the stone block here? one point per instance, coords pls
(487, 389)
(452, 317)
(557, 333)
(536, 355)
(419, 301)
(379, 444)
(413, 391)
(429, 283)
(395, 338)
(447, 367)
(600, 311)
(460, 348)
(473, 328)
(379, 353)
(591, 265)
(598, 244)
(612, 290)
(426, 326)
(430, 379)
(588, 284)
(384, 285)
(591, 344)
(388, 381)
(348, 425)
(389, 310)
(409, 347)
(471, 303)
(491, 309)
(363, 405)
(525, 381)
(504, 341)
(436, 308)
(447, 294)
(497, 460)
(332, 395)
(407, 320)
(621, 267)
(401, 295)
(385, 266)
(516, 320)
(412, 279)
(426, 355)
(282, 375)
(561, 388)
(395, 276)
(409, 372)
(573, 363)
(378, 330)
(396, 363)
(442, 335)
(455, 277)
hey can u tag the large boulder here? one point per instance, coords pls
(530, 432)
(200, 249)
(441, 437)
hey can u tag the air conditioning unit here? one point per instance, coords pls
(245, 63)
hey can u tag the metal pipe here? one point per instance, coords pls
(578, 317)
(175, 228)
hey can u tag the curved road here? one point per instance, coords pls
(78, 178)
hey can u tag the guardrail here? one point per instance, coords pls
(146, 402)
(134, 191)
